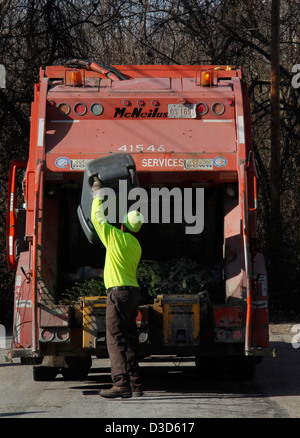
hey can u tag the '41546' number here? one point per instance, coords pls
(141, 148)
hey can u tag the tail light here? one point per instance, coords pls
(229, 335)
(80, 109)
(142, 325)
(238, 335)
(47, 335)
(229, 324)
(55, 334)
(201, 109)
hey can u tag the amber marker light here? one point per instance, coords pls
(218, 108)
(206, 79)
(63, 109)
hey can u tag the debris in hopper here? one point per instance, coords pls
(175, 276)
(88, 288)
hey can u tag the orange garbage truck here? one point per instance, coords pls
(181, 135)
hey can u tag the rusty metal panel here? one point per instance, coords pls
(54, 316)
(228, 316)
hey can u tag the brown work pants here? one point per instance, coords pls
(122, 337)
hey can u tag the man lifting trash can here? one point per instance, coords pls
(123, 253)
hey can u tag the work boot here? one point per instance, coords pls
(116, 391)
(137, 391)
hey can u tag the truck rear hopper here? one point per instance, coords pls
(184, 126)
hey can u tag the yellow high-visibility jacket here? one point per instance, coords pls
(123, 251)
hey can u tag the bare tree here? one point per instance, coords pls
(236, 32)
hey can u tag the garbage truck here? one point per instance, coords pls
(180, 137)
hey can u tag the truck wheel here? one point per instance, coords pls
(44, 374)
(77, 367)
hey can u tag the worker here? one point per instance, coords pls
(123, 253)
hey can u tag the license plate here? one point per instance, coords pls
(180, 111)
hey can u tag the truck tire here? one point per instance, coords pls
(77, 368)
(44, 374)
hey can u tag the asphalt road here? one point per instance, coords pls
(173, 390)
